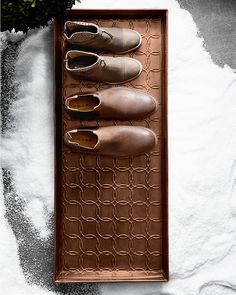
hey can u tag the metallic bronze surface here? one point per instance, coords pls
(111, 215)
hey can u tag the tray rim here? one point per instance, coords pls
(163, 276)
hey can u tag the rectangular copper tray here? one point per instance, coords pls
(111, 215)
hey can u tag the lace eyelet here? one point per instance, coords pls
(102, 63)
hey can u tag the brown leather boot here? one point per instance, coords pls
(107, 69)
(88, 35)
(121, 103)
(114, 141)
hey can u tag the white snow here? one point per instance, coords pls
(12, 280)
(28, 150)
(202, 160)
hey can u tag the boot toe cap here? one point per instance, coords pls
(149, 104)
(134, 40)
(133, 69)
(149, 140)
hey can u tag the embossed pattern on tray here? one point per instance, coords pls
(111, 217)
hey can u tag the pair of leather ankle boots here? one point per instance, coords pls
(105, 69)
(119, 103)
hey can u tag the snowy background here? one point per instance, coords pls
(202, 160)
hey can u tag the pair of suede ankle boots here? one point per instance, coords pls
(118, 103)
